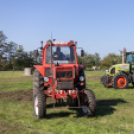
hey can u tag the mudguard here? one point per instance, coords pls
(40, 68)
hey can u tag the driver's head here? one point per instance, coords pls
(58, 49)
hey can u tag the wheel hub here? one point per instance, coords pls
(121, 82)
(36, 105)
(85, 105)
(84, 109)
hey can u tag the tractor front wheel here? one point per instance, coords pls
(120, 81)
(39, 104)
(88, 103)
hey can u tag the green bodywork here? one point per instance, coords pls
(118, 68)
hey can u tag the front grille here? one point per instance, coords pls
(65, 85)
(64, 74)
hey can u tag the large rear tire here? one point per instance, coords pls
(89, 103)
(39, 104)
(120, 81)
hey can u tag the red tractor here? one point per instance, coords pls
(61, 78)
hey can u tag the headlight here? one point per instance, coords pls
(106, 70)
(81, 78)
(46, 79)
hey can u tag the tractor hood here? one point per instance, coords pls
(114, 69)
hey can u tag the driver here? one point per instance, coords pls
(58, 55)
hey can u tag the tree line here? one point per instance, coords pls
(13, 56)
(93, 60)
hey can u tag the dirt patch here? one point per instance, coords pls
(16, 79)
(17, 96)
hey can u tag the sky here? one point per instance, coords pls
(99, 26)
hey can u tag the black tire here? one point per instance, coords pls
(90, 108)
(106, 85)
(39, 104)
(38, 80)
(115, 81)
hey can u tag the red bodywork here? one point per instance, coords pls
(52, 89)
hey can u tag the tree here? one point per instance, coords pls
(79, 59)
(6, 51)
(2, 42)
(2, 38)
(97, 59)
(109, 60)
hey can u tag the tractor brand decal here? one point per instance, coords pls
(124, 66)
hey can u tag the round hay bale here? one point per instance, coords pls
(28, 71)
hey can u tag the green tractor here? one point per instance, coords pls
(120, 75)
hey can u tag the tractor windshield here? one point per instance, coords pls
(130, 58)
(61, 55)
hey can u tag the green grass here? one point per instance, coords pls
(94, 73)
(10, 81)
(114, 113)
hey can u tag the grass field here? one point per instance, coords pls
(114, 113)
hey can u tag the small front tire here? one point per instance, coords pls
(89, 103)
(39, 104)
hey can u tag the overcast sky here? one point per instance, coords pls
(102, 26)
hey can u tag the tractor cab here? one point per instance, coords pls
(61, 54)
(130, 57)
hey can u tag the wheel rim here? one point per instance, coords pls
(36, 105)
(121, 82)
(85, 105)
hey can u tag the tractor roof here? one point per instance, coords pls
(61, 43)
(130, 52)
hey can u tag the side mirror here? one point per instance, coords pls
(36, 53)
(82, 53)
(41, 48)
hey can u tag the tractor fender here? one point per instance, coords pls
(40, 68)
(126, 73)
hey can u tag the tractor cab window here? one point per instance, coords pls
(130, 58)
(61, 55)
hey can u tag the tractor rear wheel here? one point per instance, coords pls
(120, 81)
(39, 104)
(89, 103)
(38, 80)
